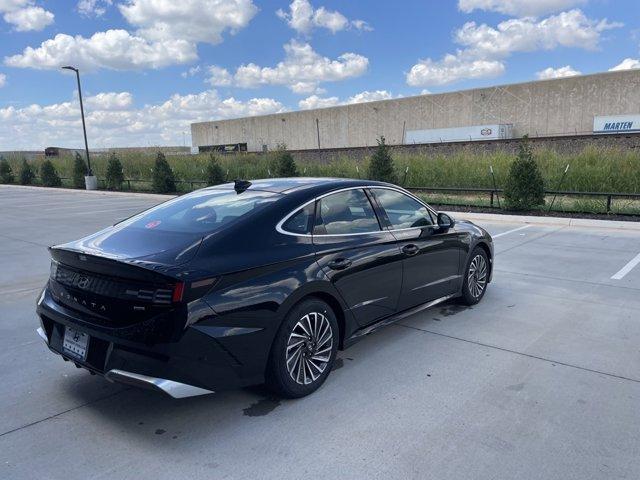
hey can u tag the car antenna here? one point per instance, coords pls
(241, 185)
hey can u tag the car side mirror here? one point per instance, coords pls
(445, 222)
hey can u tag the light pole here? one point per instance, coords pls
(89, 183)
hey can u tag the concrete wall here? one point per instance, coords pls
(568, 144)
(543, 108)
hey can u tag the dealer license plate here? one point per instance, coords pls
(75, 343)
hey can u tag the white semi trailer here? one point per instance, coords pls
(459, 134)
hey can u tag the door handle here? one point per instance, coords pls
(410, 249)
(339, 264)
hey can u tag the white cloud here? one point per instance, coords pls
(113, 49)
(24, 15)
(315, 101)
(93, 8)
(110, 101)
(302, 70)
(485, 47)
(193, 20)
(3, 80)
(626, 64)
(566, 71)
(452, 68)
(219, 76)
(368, 96)
(191, 72)
(167, 34)
(361, 25)
(566, 29)
(303, 18)
(518, 8)
(113, 121)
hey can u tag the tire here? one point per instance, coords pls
(476, 277)
(304, 349)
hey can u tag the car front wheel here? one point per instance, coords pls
(476, 277)
(304, 349)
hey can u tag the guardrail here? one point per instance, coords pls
(494, 193)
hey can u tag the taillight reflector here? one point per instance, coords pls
(178, 291)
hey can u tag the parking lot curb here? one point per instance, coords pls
(560, 221)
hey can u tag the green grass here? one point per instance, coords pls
(591, 170)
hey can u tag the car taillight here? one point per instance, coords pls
(54, 269)
(178, 292)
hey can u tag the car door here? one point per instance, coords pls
(360, 258)
(431, 256)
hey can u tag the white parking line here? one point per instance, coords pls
(627, 268)
(510, 231)
(110, 210)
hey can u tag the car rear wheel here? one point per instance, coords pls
(304, 349)
(476, 277)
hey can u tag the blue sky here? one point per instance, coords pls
(150, 67)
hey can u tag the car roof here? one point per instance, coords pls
(298, 184)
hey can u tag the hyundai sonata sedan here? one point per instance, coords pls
(254, 282)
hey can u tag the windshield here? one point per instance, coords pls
(201, 212)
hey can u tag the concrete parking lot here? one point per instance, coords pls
(540, 380)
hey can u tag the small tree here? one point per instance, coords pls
(6, 174)
(524, 188)
(381, 164)
(79, 171)
(163, 179)
(215, 174)
(286, 165)
(27, 175)
(48, 175)
(114, 177)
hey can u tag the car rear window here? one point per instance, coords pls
(202, 212)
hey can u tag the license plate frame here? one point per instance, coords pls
(75, 343)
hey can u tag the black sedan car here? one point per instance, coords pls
(254, 282)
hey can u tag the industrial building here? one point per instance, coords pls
(601, 103)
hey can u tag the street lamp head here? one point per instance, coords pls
(68, 67)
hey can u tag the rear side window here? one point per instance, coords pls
(201, 212)
(402, 210)
(300, 222)
(345, 212)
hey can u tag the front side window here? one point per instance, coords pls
(345, 212)
(402, 210)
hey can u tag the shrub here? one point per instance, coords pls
(163, 179)
(286, 166)
(114, 177)
(214, 173)
(79, 171)
(524, 188)
(381, 164)
(48, 175)
(6, 174)
(27, 175)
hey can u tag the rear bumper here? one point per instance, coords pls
(193, 364)
(171, 388)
